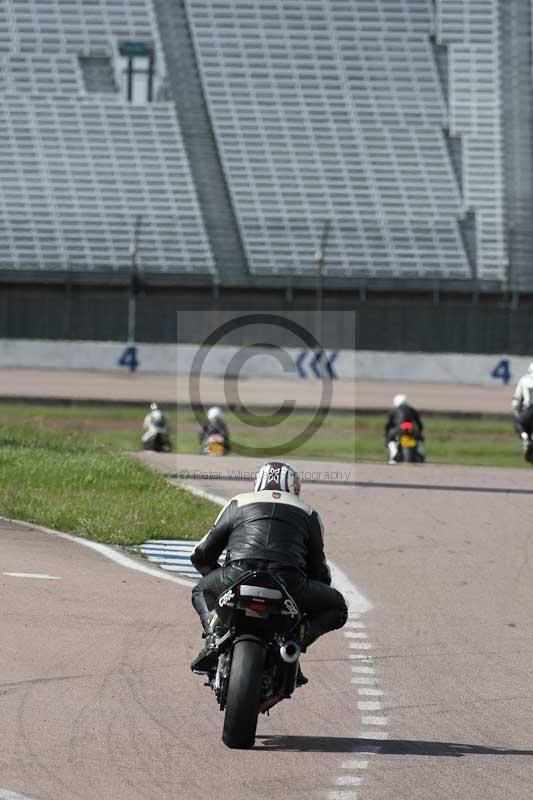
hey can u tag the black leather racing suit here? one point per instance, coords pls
(403, 413)
(278, 532)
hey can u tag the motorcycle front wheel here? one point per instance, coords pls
(244, 694)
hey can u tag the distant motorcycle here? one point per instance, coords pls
(258, 656)
(408, 443)
(156, 431)
(158, 441)
(214, 445)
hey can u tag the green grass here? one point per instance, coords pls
(119, 428)
(67, 481)
(451, 441)
(491, 443)
(61, 466)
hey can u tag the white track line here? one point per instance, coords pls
(108, 552)
(32, 575)
(215, 498)
(5, 794)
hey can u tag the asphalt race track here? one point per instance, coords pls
(76, 386)
(426, 695)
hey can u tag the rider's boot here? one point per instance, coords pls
(303, 641)
(301, 680)
(527, 446)
(215, 635)
(393, 451)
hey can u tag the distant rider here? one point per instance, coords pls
(271, 529)
(523, 410)
(214, 424)
(402, 412)
(156, 423)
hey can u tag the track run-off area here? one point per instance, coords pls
(425, 694)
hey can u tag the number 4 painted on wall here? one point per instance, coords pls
(129, 359)
(502, 371)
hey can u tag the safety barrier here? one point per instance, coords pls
(262, 362)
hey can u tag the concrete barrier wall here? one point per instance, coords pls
(453, 368)
(290, 363)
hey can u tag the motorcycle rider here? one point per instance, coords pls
(272, 529)
(403, 412)
(523, 411)
(214, 425)
(155, 422)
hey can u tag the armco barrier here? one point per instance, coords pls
(291, 363)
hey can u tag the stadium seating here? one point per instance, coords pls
(326, 114)
(471, 31)
(74, 26)
(77, 167)
(333, 111)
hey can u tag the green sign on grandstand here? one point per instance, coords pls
(135, 49)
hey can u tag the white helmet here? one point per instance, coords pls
(530, 368)
(277, 476)
(154, 407)
(399, 400)
(214, 413)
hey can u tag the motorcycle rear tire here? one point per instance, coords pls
(244, 694)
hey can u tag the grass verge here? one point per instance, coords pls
(70, 482)
(119, 428)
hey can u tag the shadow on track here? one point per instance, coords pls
(435, 487)
(388, 747)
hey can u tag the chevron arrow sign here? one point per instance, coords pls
(316, 364)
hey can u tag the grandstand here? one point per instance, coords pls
(263, 143)
(79, 162)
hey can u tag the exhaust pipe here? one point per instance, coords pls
(290, 652)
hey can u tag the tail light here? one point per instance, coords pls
(406, 426)
(256, 606)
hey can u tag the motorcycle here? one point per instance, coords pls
(156, 438)
(408, 439)
(214, 445)
(258, 655)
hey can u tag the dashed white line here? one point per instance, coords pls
(374, 734)
(40, 575)
(349, 780)
(374, 720)
(370, 705)
(355, 764)
(355, 634)
(369, 691)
